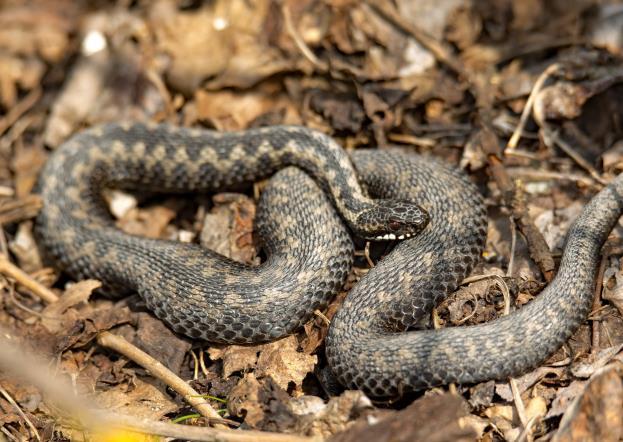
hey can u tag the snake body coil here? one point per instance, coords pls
(309, 251)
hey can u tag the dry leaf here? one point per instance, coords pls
(279, 360)
(595, 415)
(235, 357)
(53, 316)
(228, 228)
(284, 363)
(144, 400)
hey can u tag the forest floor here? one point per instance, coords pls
(525, 95)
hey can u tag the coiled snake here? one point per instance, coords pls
(309, 250)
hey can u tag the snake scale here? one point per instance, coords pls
(309, 250)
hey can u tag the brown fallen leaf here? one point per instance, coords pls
(506, 419)
(279, 360)
(228, 228)
(150, 222)
(333, 417)
(262, 403)
(282, 361)
(595, 415)
(229, 110)
(228, 48)
(564, 397)
(235, 357)
(435, 418)
(53, 316)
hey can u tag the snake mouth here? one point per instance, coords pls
(392, 237)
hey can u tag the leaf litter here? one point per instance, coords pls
(448, 79)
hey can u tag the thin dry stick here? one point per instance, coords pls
(195, 365)
(553, 137)
(300, 43)
(9, 269)
(6, 191)
(519, 405)
(20, 109)
(202, 363)
(527, 174)
(8, 434)
(597, 302)
(322, 317)
(4, 247)
(527, 110)
(526, 434)
(17, 408)
(511, 260)
(157, 369)
(440, 51)
(21, 364)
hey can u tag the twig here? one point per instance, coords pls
(20, 109)
(511, 258)
(440, 51)
(527, 110)
(597, 302)
(9, 269)
(539, 250)
(17, 408)
(158, 370)
(202, 363)
(4, 247)
(322, 317)
(8, 434)
(19, 305)
(300, 43)
(12, 211)
(526, 433)
(519, 405)
(412, 139)
(16, 131)
(195, 365)
(528, 174)
(551, 136)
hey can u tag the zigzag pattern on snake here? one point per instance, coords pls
(309, 251)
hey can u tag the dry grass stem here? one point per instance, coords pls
(9, 269)
(158, 370)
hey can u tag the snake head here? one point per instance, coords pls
(389, 220)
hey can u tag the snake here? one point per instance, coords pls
(317, 198)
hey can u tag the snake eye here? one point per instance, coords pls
(394, 225)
